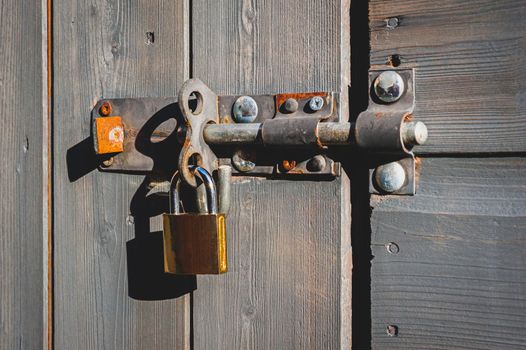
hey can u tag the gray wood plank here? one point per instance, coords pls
(105, 248)
(458, 279)
(469, 60)
(23, 307)
(288, 286)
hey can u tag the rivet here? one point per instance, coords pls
(414, 133)
(245, 109)
(316, 163)
(316, 103)
(390, 177)
(389, 86)
(243, 161)
(291, 105)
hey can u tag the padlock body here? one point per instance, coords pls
(194, 243)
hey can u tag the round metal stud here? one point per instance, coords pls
(245, 110)
(389, 86)
(316, 103)
(390, 177)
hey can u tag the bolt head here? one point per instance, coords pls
(316, 103)
(291, 105)
(245, 110)
(390, 177)
(243, 161)
(389, 86)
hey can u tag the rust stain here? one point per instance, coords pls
(109, 134)
(281, 98)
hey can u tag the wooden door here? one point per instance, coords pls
(288, 284)
(80, 254)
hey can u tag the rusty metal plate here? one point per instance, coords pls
(149, 141)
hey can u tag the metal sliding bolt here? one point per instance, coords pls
(414, 133)
(245, 109)
(389, 86)
(316, 103)
(390, 177)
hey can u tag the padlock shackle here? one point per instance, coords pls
(175, 184)
(210, 187)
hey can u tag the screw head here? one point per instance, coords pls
(390, 177)
(243, 161)
(316, 103)
(291, 105)
(316, 163)
(389, 86)
(105, 109)
(245, 109)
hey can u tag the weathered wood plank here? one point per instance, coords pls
(288, 285)
(469, 60)
(458, 280)
(22, 303)
(101, 49)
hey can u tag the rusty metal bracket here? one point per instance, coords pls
(284, 135)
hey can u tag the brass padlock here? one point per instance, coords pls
(194, 243)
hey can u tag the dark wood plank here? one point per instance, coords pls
(469, 60)
(458, 280)
(101, 49)
(288, 241)
(23, 306)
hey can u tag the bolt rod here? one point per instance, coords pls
(330, 134)
(243, 134)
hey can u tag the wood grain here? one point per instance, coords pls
(469, 60)
(105, 49)
(288, 285)
(22, 298)
(458, 280)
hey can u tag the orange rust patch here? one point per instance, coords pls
(109, 133)
(281, 98)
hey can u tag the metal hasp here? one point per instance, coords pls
(283, 135)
